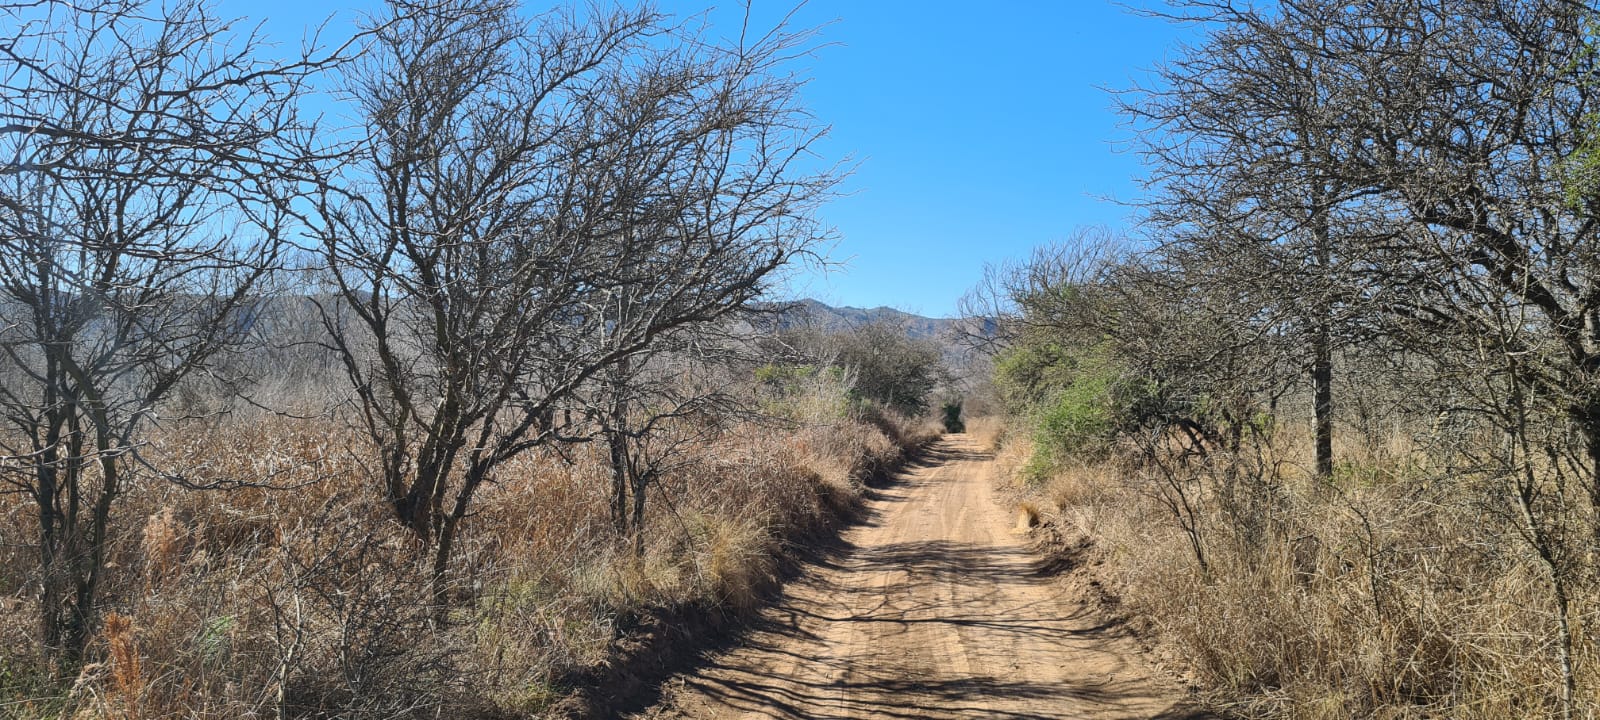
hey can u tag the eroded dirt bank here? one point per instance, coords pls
(932, 608)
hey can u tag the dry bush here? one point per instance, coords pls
(1391, 592)
(988, 431)
(127, 683)
(290, 592)
(1076, 486)
(1012, 457)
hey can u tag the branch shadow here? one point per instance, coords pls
(824, 584)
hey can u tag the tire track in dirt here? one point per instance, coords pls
(933, 608)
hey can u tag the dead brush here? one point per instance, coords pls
(127, 682)
(844, 455)
(1011, 458)
(1078, 485)
(303, 599)
(987, 431)
(1389, 592)
(162, 545)
(736, 562)
(1028, 516)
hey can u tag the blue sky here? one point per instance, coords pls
(977, 133)
(980, 133)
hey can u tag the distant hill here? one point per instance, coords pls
(827, 317)
(959, 358)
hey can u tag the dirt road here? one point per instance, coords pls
(934, 608)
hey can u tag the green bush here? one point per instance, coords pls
(891, 368)
(952, 417)
(1077, 400)
(1076, 424)
(1029, 374)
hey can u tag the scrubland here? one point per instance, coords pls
(334, 374)
(1330, 418)
(1386, 591)
(307, 600)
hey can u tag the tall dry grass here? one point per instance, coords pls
(987, 431)
(1389, 592)
(305, 600)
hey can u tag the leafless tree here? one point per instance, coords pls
(1242, 148)
(534, 202)
(1466, 120)
(1439, 142)
(1047, 293)
(145, 171)
(653, 408)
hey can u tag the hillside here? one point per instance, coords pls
(829, 318)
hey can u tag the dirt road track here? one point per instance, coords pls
(933, 608)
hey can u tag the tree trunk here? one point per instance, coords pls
(1322, 400)
(1322, 330)
(640, 480)
(1588, 420)
(439, 589)
(93, 557)
(50, 595)
(620, 480)
(616, 432)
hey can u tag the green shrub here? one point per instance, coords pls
(1075, 424)
(1076, 400)
(891, 368)
(1028, 374)
(952, 417)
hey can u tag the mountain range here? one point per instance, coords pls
(826, 317)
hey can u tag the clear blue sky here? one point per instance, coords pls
(978, 132)
(981, 129)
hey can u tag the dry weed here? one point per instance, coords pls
(292, 592)
(987, 431)
(1028, 516)
(127, 681)
(1389, 594)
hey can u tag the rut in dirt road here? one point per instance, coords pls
(934, 608)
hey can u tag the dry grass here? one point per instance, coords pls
(127, 683)
(1028, 516)
(309, 602)
(987, 430)
(1392, 594)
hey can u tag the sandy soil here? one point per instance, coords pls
(933, 608)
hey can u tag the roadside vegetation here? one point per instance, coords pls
(1329, 431)
(308, 600)
(423, 413)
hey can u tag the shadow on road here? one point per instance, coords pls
(873, 682)
(900, 605)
